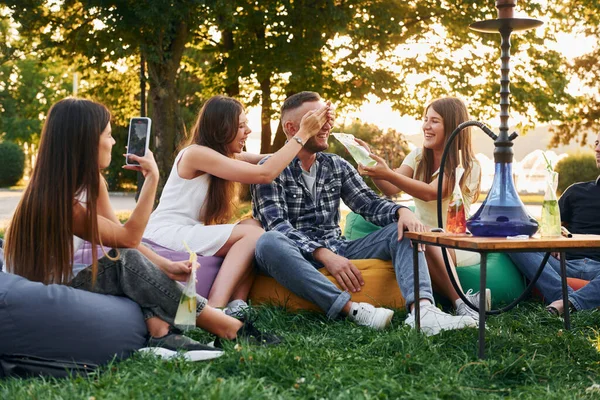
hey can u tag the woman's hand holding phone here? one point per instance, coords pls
(147, 165)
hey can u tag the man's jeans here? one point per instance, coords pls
(549, 282)
(132, 275)
(280, 257)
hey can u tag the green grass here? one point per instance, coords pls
(529, 357)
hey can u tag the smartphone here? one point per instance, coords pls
(139, 138)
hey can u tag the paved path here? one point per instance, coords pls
(9, 199)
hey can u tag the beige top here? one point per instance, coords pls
(426, 211)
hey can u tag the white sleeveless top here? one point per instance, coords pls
(176, 219)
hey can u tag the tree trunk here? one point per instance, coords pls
(232, 87)
(266, 113)
(165, 122)
(164, 103)
(280, 137)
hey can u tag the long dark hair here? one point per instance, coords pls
(216, 127)
(454, 112)
(39, 240)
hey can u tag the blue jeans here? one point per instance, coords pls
(279, 257)
(549, 282)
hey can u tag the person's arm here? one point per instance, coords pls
(201, 158)
(179, 270)
(415, 188)
(176, 270)
(104, 207)
(251, 158)
(128, 235)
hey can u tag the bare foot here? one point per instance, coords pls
(157, 327)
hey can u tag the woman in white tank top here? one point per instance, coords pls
(200, 195)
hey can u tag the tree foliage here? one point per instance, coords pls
(576, 168)
(581, 116)
(102, 33)
(12, 165)
(406, 52)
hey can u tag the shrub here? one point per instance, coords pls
(576, 168)
(12, 163)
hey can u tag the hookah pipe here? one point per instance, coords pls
(491, 134)
(496, 224)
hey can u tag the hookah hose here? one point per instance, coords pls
(492, 135)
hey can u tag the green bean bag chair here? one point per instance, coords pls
(503, 278)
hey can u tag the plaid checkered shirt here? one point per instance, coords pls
(287, 205)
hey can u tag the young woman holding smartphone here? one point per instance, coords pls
(200, 195)
(417, 176)
(67, 198)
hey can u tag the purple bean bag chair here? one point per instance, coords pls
(205, 275)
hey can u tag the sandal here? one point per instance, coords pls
(553, 310)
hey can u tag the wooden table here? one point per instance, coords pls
(485, 245)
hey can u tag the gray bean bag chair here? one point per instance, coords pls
(58, 322)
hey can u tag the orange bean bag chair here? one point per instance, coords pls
(574, 283)
(380, 289)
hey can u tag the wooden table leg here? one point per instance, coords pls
(565, 292)
(482, 284)
(416, 283)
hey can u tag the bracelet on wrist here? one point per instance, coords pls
(298, 139)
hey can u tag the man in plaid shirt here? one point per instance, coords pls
(300, 210)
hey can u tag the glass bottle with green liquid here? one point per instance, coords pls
(550, 224)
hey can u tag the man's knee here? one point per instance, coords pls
(270, 244)
(392, 232)
(391, 229)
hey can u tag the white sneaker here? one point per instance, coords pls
(368, 315)
(236, 308)
(192, 355)
(434, 320)
(463, 309)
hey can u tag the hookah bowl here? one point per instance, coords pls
(503, 213)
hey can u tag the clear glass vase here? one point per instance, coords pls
(502, 212)
(550, 224)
